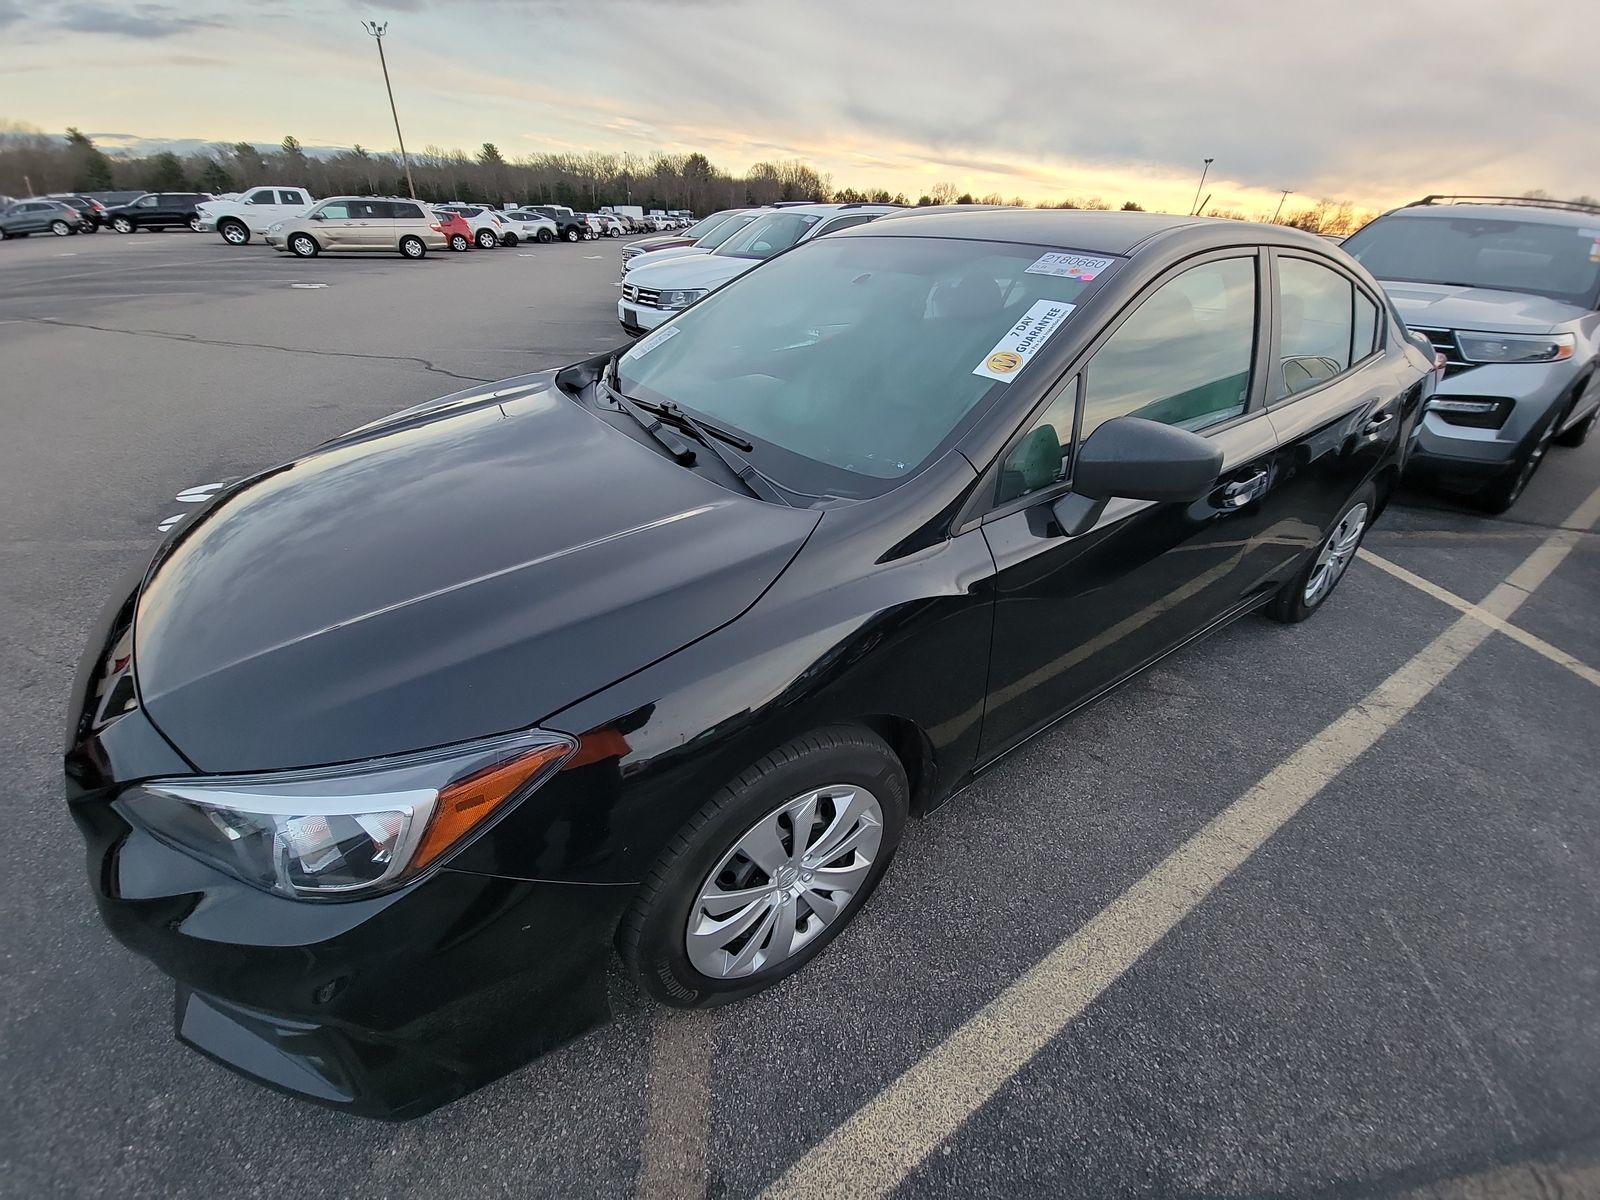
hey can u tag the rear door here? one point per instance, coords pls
(375, 224)
(263, 209)
(1338, 399)
(1074, 616)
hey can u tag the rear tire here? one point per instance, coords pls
(1311, 586)
(235, 233)
(194, 224)
(303, 245)
(572, 235)
(706, 857)
(412, 247)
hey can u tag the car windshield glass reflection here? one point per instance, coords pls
(1547, 259)
(851, 362)
(770, 235)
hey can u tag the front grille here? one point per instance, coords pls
(649, 297)
(1444, 341)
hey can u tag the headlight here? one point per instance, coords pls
(681, 299)
(336, 832)
(1515, 347)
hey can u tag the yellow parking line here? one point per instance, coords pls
(673, 1154)
(1515, 632)
(878, 1146)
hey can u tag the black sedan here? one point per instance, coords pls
(395, 746)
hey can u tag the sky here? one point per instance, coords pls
(1371, 101)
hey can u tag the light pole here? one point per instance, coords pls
(1287, 192)
(377, 31)
(1200, 185)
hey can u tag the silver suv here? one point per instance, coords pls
(1508, 291)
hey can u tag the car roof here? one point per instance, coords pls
(825, 210)
(1120, 233)
(1534, 214)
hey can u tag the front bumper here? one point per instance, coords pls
(386, 1006)
(206, 225)
(638, 319)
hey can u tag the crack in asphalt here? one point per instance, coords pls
(189, 337)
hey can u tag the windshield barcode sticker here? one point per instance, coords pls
(1012, 352)
(651, 340)
(1082, 267)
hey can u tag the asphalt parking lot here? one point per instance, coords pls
(1305, 910)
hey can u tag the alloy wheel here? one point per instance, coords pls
(234, 234)
(60, 228)
(784, 881)
(1336, 554)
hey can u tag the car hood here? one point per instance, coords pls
(691, 271)
(1454, 306)
(651, 258)
(662, 241)
(452, 574)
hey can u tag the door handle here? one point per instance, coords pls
(1376, 423)
(1240, 492)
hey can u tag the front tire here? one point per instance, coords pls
(412, 247)
(1314, 583)
(122, 224)
(509, 239)
(769, 872)
(1502, 493)
(303, 245)
(60, 228)
(235, 233)
(546, 237)
(1579, 433)
(460, 242)
(486, 239)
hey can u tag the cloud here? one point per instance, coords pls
(144, 21)
(10, 13)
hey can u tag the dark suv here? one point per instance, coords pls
(157, 210)
(92, 211)
(570, 226)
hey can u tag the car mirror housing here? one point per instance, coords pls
(1132, 458)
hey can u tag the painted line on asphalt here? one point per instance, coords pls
(875, 1149)
(1515, 632)
(673, 1153)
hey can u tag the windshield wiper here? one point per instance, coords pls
(707, 433)
(682, 452)
(754, 481)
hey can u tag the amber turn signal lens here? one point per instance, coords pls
(467, 803)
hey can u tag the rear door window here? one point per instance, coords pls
(1315, 324)
(402, 211)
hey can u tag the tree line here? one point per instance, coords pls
(31, 160)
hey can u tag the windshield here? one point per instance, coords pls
(771, 234)
(1556, 260)
(726, 230)
(852, 362)
(700, 228)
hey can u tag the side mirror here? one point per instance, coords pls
(318, 217)
(247, 202)
(1136, 459)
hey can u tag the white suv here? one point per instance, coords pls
(487, 227)
(656, 292)
(236, 217)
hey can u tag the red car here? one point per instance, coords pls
(455, 229)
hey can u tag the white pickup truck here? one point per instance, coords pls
(235, 217)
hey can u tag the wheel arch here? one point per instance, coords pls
(1385, 482)
(914, 749)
